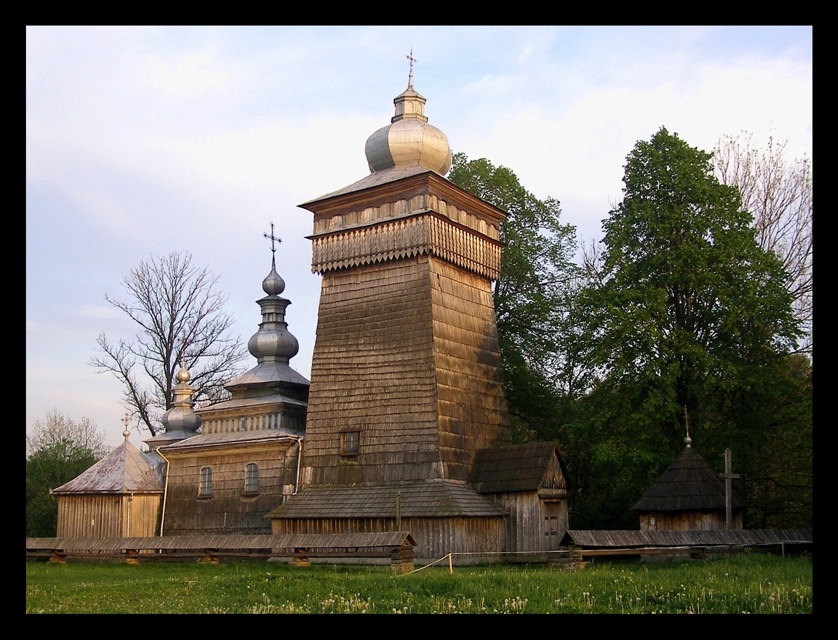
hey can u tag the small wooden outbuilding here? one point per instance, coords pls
(118, 496)
(529, 482)
(688, 495)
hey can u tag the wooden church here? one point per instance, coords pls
(404, 425)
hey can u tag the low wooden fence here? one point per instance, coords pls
(299, 549)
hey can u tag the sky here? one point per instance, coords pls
(143, 141)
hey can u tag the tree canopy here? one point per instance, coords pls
(58, 450)
(687, 319)
(532, 295)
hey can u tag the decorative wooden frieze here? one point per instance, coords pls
(404, 237)
(343, 219)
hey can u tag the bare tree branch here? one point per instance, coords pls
(779, 195)
(181, 319)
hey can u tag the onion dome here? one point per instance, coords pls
(181, 418)
(409, 140)
(272, 345)
(273, 341)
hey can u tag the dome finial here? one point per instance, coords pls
(273, 284)
(688, 441)
(126, 419)
(411, 59)
(183, 375)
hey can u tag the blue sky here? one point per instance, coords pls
(141, 141)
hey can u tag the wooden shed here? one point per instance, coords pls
(529, 482)
(688, 495)
(118, 496)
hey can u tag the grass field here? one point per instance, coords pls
(749, 583)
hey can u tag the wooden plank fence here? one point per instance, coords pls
(299, 549)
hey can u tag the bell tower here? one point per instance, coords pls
(406, 378)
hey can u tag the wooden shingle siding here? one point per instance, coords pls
(373, 370)
(471, 402)
(405, 228)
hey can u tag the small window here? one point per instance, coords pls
(206, 482)
(251, 478)
(350, 443)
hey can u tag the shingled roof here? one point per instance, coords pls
(508, 468)
(688, 484)
(123, 470)
(435, 499)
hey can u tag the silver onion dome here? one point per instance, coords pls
(409, 140)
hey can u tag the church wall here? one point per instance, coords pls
(407, 353)
(229, 510)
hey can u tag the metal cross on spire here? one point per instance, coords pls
(411, 59)
(183, 345)
(273, 240)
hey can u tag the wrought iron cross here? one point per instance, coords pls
(273, 240)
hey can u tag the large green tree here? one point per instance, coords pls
(687, 320)
(532, 296)
(58, 450)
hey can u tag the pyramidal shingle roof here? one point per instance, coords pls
(688, 484)
(123, 470)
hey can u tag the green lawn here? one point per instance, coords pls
(742, 583)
